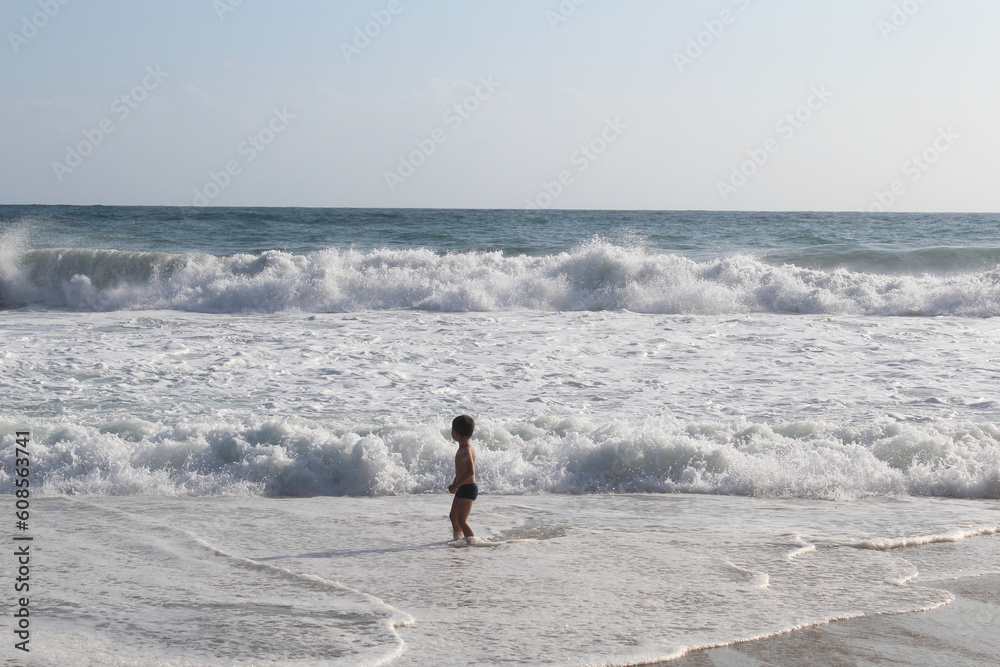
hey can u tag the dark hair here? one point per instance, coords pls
(464, 425)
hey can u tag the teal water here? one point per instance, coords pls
(695, 234)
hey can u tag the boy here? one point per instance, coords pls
(464, 487)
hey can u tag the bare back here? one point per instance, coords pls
(465, 465)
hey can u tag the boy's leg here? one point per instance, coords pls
(456, 529)
(462, 507)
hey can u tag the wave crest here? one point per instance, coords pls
(596, 276)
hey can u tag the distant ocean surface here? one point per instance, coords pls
(693, 429)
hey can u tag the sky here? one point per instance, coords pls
(570, 104)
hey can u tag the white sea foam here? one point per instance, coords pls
(556, 455)
(595, 276)
(957, 535)
(810, 407)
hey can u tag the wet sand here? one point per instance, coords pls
(964, 632)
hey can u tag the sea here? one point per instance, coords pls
(699, 434)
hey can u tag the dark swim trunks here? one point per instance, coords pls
(468, 491)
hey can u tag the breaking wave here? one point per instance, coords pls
(596, 276)
(570, 455)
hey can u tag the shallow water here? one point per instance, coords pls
(597, 579)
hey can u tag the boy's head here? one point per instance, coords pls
(463, 426)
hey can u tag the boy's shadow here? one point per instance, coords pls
(355, 552)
